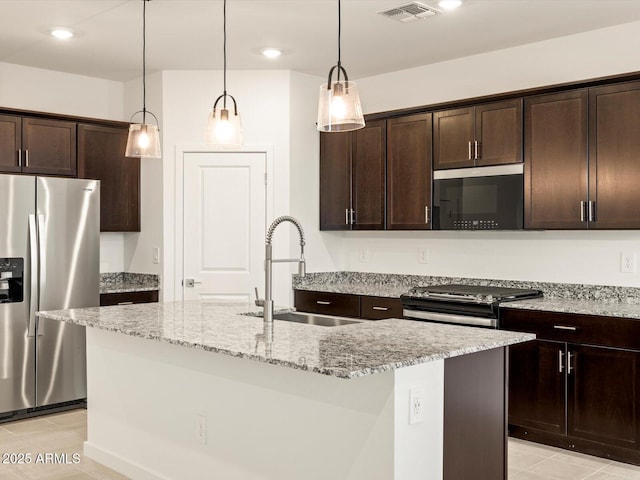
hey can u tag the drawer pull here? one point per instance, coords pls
(125, 303)
(323, 302)
(382, 309)
(563, 327)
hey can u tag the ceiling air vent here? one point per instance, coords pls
(409, 12)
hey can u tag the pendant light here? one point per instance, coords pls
(224, 129)
(144, 138)
(339, 108)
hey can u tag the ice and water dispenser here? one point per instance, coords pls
(11, 280)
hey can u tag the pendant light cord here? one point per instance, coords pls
(339, 39)
(224, 54)
(144, 63)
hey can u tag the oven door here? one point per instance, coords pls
(472, 315)
(488, 198)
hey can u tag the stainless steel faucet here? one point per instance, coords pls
(267, 303)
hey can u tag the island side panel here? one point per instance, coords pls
(475, 416)
(263, 421)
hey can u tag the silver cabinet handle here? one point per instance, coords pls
(353, 212)
(382, 309)
(564, 327)
(477, 150)
(426, 214)
(323, 302)
(560, 357)
(569, 367)
(582, 209)
(125, 303)
(592, 211)
(346, 216)
(26, 158)
(469, 149)
(33, 300)
(19, 157)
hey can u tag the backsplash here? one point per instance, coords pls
(602, 293)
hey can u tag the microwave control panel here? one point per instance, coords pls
(475, 225)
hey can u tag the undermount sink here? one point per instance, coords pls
(311, 319)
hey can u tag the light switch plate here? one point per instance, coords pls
(156, 255)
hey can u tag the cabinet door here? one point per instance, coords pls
(335, 180)
(453, 137)
(10, 143)
(555, 160)
(537, 386)
(368, 172)
(409, 173)
(101, 157)
(603, 392)
(49, 147)
(499, 133)
(614, 143)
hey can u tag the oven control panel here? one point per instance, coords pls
(475, 225)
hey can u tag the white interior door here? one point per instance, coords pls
(224, 224)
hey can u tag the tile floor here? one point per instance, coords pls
(65, 432)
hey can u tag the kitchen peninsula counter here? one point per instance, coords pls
(191, 390)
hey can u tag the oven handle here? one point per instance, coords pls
(450, 318)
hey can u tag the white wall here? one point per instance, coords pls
(28, 88)
(138, 247)
(589, 257)
(263, 103)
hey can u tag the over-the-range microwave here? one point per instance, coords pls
(481, 198)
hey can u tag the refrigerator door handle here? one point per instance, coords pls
(33, 295)
(42, 262)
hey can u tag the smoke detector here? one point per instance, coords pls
(409, 12)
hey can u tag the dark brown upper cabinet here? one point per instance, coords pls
(581, 150)
(352, 178)
(409, 172)
(101, 157)
(486, 134)
(614, 146)
(556, 160)
(10, 143)
(37, 146)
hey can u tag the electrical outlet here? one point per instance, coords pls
(423, 255)
(628, 261)
(416, 405)
(156, 255)
(201, 429)
(364, 255)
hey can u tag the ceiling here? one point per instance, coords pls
(187, 34)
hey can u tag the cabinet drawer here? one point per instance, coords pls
(377, 308)
(327, 303)
(127, 298)
(572, 328)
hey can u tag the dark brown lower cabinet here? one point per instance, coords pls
(475, 426)
(574, 395)
(128, 298)
(345, 305)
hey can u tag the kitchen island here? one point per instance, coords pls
(200, 390)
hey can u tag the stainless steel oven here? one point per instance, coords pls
(470, 305)
(483, 198)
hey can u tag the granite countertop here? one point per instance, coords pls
(602, 300)
(347, 351)
(125, 282)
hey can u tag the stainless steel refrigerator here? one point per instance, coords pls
(49, 260)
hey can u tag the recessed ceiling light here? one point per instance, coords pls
(62, 33)
(449, 4)
(271, 52)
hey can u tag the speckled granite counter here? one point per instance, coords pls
(604, 300)
(123, 282)
(347, 352)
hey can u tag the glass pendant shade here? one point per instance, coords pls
(339, 108)
(143, 141)
(224, 129)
